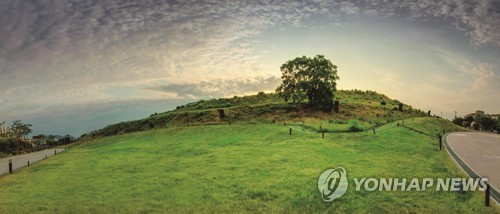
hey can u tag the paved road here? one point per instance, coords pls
(480, 151)
(22, 160)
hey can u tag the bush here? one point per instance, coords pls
(458, 121)
(383, 103)
(354, 127)
(337, 121)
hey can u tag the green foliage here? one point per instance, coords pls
(354, 127)
(311, 78)
(67, 139)
(486, 122)
(458, 121)
(19, 129)
(337, 126)
(468, 119)
(7, 146)
(338, 121)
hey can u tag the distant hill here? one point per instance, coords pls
(359, 110)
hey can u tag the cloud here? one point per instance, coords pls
(348, 8)
(220, 87)
(476, 83)
(479, 19)
(90, 41)
(482, 89)
(79, 51)
(485, 81)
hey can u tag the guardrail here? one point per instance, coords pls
(493, 192)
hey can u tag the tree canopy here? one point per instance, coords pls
(311, 78)
(20, 129)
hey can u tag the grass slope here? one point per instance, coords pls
(238, 168)
(359, 110)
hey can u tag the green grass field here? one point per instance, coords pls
(238, 168)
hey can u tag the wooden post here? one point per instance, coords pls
(374, 131)
(55, 151)
(290, 131)
(487, 196)
(440, 141)
(323, 134)
(28, 163)
(222, 115)
(10, 166)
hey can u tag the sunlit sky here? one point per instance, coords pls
(69, 67)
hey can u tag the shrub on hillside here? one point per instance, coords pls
(337, 121)
(354, 127)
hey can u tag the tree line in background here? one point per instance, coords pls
(479, 121)
(14, 139)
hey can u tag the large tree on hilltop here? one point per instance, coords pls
(311, 78)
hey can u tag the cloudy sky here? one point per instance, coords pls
(72, 66)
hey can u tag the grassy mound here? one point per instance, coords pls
(238, 168)
(359, 111)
